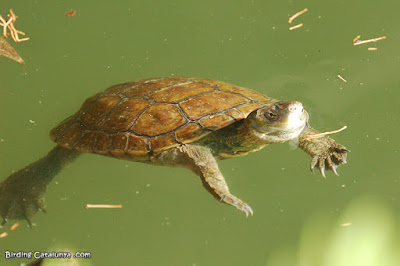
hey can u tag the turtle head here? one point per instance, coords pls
(278, 121)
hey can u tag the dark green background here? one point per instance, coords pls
(168, 218)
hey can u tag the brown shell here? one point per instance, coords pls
(140, 118)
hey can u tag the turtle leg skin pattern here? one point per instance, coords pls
(200, 160)
(21, 194)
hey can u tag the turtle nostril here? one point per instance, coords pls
(293, 108)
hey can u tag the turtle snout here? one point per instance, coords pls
(296, 115)
(296, 107)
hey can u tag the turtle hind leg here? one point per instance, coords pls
(18, 201)
(21, 194)
(202, 162)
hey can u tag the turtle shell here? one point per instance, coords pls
(142, 118)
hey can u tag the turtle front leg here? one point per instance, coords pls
(326, 153)
(200, 160)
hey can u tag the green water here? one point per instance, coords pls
(168, 218)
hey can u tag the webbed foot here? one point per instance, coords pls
(19, 200)
(330, 158)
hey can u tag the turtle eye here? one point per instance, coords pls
(270, 115)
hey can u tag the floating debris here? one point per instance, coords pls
(14, 226)
(356, 40)
(3, 235)
(8, 51)
(346, 224)
(372, 48)
(297, 14)
(71, 13)
(102, 206)
(296, 27)
(14, 33)
(323, 134)
(340, 77)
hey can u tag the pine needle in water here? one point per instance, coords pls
(356, 40)
(297, 14)
(323, 134)
(102, 206)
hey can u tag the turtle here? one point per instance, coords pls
(175, 121)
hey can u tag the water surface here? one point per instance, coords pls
(168, 218)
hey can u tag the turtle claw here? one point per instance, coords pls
(333, 168)
(322, 170)
(237, 203)
(321, 167)
(3, 223)
(314, 162)
(330, 159)
(248, 210)
(29, 223)
(40, 205)
(342, 148)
